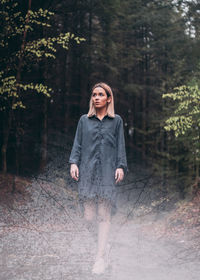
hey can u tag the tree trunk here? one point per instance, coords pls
(6, 132)
(43, 159)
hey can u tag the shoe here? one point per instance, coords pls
(99, 266)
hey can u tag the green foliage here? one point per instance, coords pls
(8, 90)
(184, 121)
(21, 51)
(186, 116)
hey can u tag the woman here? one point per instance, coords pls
(98, 163)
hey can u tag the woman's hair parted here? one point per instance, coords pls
(110, 108)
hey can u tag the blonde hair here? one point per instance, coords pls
(110, 107)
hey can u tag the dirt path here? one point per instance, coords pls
(43, 237)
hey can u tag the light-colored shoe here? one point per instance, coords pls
(99, 266)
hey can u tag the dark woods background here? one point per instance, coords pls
(141, 48)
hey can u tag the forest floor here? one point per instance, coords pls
(43, 235)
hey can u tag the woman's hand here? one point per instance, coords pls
(74, 171)
(119, 174)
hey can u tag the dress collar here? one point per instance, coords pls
(106, 115)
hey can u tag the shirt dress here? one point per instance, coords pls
(98, 150)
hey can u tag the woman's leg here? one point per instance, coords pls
(104, 221)
(89, 210)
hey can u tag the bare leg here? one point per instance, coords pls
(104, 221)
(89, 214)
(89, 210)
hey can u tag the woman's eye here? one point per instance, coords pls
(99, 94)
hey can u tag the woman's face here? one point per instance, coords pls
(100, 98)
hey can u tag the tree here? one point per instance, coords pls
(21, 51)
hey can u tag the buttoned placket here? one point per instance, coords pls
(100, 137)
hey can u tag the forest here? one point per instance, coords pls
(148, 51)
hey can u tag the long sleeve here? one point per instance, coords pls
(121, 150)
(75, 155)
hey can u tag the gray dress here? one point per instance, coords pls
(98, 149)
